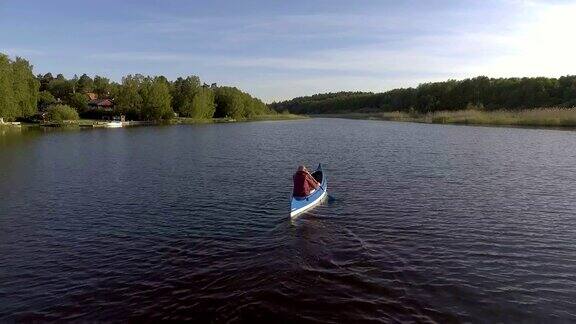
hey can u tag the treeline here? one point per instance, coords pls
(480, 93)
(138, 97)
(154, 98)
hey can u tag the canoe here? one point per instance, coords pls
(301, 204)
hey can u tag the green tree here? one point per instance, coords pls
(229, 103)
(183, 91)
(45, 80)
(128, 100)
(7, 105)
(25, 88)
(190, 99)
(253, 106)
(45, 99)
(60, 113)
(78, 101)
(74, 83)
(203, 104)
(114, 89)
(60, 88)
(156, 99)
(101, 86)
(84, 84)
(18, 88)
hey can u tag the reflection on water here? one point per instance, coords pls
(10, 131)
(425, 223)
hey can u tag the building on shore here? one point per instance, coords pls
(102, 104)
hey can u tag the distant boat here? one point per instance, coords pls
(302, 204)
(113, 124)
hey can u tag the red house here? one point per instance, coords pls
(101, 104)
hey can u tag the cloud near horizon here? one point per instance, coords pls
(278, 53)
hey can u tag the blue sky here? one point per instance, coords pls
(282, 49)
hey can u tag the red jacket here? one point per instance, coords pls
(303, 184)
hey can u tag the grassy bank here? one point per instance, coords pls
(282, 116)
(184, 120)
(543, 117)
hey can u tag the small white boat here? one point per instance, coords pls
(113, 124)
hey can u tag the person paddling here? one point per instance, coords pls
(304, 183)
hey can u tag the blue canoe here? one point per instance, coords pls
(302, 204)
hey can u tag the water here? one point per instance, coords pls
(426, 223)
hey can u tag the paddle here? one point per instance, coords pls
(320, 186)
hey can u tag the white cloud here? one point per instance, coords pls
(536, 39)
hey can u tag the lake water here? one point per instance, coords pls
(425, 223)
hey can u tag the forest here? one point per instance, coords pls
(139, 97)
(481, 93)
(23, 95)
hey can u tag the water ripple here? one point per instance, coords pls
(426, 223)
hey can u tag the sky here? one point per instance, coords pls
(278, 50)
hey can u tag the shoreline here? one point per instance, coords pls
(192, 121)
(546, 118)
(93, 123)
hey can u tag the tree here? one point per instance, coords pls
(60, 113)
(114, 89)
(203, 105)
(84, 84)
(190, 99)
(156, 99)
(229, 103)
(74, 83)
(182, 91)
(18, 88)
(25, 88)
(78, 101)
(7, 106)
(45, 80)
(45, 99)
(60, 88)
(253, 106)
(101, 86)
(128, 100)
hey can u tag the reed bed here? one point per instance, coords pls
(546, 117)
(540, 117)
